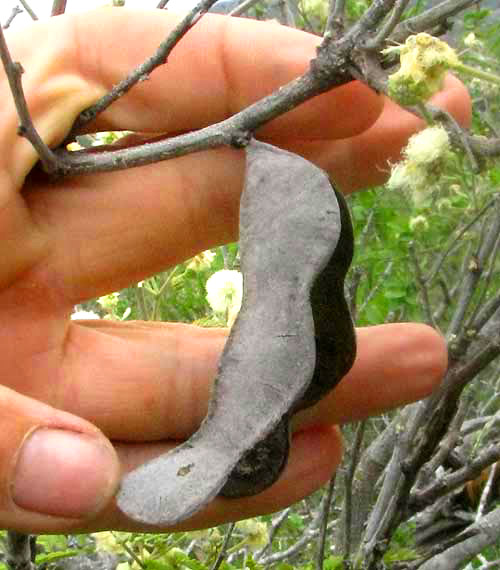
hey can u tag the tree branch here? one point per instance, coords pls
(58, 7)
(142, 72)
(223, 549)
(429, 19)
(376, 42)
(442, 486)
(473, 540)
(14, 70)
(325, 513)
(15, 11)
(243, 7)
(19, 555)
(475, 267)
(28, 9)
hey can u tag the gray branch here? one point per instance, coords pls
(475, 538)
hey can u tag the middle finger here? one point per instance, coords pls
(163, 390)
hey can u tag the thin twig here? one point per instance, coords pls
(325, 514)
(486, 312)
(243, 7)
(487, 490)
(429, 18)
(15, 11)
(233, 131)
(58, 7)
(275, 526)
(475, 268)
(223, 550)
(377, 41)
(475, 424)
(285, 16)
(493, 565)
(375, 289)
(28, 9)
(335, 24)
(162, 4)
(142, 72)
(456, 241)
(14, 70)
(308, 535)
(132, 554)
(328, 70)
(451, 481)
(389, 507)
(483, 146)
(422, 285)
(371, 19)
(486, 281)
(294, 550)
(19, 554)
(445, 447)
(349, 480)
(356, 274)
(458, 135)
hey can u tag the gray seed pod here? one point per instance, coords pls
(277, 358)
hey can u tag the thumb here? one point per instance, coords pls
(56, 470)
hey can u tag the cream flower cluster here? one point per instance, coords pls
(225, 293)
(201, 261)
(256, 534)
(424, 61)
(423, 158)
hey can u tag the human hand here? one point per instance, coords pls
(145, 386)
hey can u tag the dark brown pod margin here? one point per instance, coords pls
(290, 225)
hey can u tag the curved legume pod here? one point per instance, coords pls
(335, 342)
(290, 224)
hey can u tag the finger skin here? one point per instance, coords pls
(20, 417)
(381, 144)
(163, 391)
(314, 456)
(206, 80)
(64, 242)
(373, 385)
(398, 363)
(170, 403)
(80, 250)
(210, 75)
(365, 160)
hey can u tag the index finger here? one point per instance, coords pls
(220, 67)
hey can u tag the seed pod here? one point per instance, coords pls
(291, 343)
(335, 342)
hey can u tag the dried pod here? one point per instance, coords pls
(291, 343)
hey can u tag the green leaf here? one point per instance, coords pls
(494, 175)
(333, 563)
(296, 521)
(395, 293)
(48, 557)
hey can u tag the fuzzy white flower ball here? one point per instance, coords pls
(225, 290)
(418, 222)
(428, 146)
(84, 315)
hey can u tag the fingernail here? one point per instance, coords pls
(64, 474)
